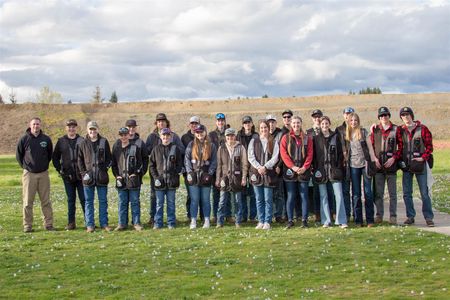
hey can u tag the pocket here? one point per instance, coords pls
(319, 176)
(224, 183)
(336, 174)
(271, 178)
(191, 178)
(205, 179)
(288, 174)
(235, 183)
(305, 176)
(255, 177)
(173, 181)
(160, 184)
(133, 182)
(88, 178)
(103, 177)
(417, 167)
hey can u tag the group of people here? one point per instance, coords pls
(258, 173)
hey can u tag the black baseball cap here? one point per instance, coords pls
(71, 122)
(287, 111)
(130, 123)
(407, 110)
(317, 112)
(247, 119)
(161, 116)
(383, 111)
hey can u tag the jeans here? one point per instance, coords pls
(325, 217)
(294, 189)
(225, 198)
(216, 199)
(407, 194)
(316, 195)
(248, 193)
(200, 194)
(129, 197)
(71, 191)
(264, 203)
(279, 201)
(169, 196)
(356, 174)
(347, 199)
(89, 194)
(152, 198)
(380, 180)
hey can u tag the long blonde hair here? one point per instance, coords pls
(206, 150)
(349, 131)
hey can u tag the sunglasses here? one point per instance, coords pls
(384, 115)
(287, 117)
(405, 114)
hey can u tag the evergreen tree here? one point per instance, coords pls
(114, 98)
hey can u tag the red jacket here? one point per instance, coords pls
(299, 140)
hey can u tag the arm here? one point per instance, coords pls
(176, 139)
(428, 142)
(370, 146)
(187, 158)
(152, 165)
(144, 156)
(284, 154)
(399, 138)
(20, 152)
(56, 157)
(80, 162)
(244, 163)
(273, 161)
(213, 160)
(219, 167)
(49, 150)
(180, 162)
(107, 155)
(251, 155)
(310, 154)
(114, 164)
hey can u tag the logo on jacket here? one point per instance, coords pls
(318, 174)
(43, 144)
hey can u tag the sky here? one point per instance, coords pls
(222, 49)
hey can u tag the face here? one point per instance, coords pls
(345, 115)
(124, 138)
(93, 133)
(406, 118)
(354, 122)
(35, 126)
(325, 125)
(272, 125)
(316, 120)
(201, 135)
(287, 119)
(131, 130)
(165, 138)
(71, 130)
(161, 124)
(192, 126)
(231, 139)
(384, 118)
(263, 129)
(247, 125)
(220, 123)
(296, 125)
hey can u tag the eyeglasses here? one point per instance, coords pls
(287, 117)
(384, 115)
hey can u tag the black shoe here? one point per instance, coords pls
(430, 222)
(409, 221)
(279, 219)
(289, 225)
(305, 224)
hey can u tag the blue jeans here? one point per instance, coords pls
(200, 194)
(169, 196)
(264, 203)
(407, 182)
(152, 198)
(356, 174)
(347, 199)
(225, 199)
(89, 194)
(295, 188)
(316, 195)
(325, 217)
(248, 193)
(71, 191)
(216, 200)
(279, 201)
(129, 197)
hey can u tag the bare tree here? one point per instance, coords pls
(97, 96)
(48, 96)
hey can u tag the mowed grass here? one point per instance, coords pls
(314, 263)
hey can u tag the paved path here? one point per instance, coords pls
(441, 220)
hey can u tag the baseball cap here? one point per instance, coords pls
(71, 122)
(316, 112)
(407, 110)
(220, 116)
(92, 124)
(383, 111)
(348, 110)
(130, 123)
(271, 117)
(165, 131)
(123, 130)
(247, 119)
(161, 116)
(287, 111)
(230, 131)
(194, 119)
(199, 128)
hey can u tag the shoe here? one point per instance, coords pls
(266, 226)
(206, 224)
(71, 226)
(138, 227)
(119, 228)
(238, 225)
(156, 227)
(326, 225)
(393, 220)
(230, 219)
(370, 225)
(171, 227)
(90, 229)
(289, 225)
(378, 220)
(27, 229)
(193, 224)
(305, 224)
(343, 226)
(219, 226)
(409, 221)
(253, 221)
(430, 222)
(50, 228)
(358, 225)
(107, 228)
(214, 220)
(317, 218)
(244, 220)
(279, 219)
(151, 222)
(259, 226)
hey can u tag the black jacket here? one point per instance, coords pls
(217, 137)
(142, 148)
(65, 157)
(125, 165)
(164, 168)
(154, 139)
(34, 153)
(91, 162)
(187, 138)
(328, 159)
(245, 139)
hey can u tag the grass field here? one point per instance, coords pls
(314, 263)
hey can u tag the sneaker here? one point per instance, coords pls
(219, 225)
(266, 226)
(156, 227)
(378, 220)
(27, 229)
(289, 225)
(214, 220)
(151, 222)
(430, 222)
(107, 228)
(119, 228)
(370, 225)
(206, 224)
(71, 226)
(305, 224)
(344, 226)
(326, 225)
(193, 224)
(409, 221)
(238, 225)
(171, 227)
(90, 229)
(393, 220)
(259, 226)
(138, 227)
(50, 228)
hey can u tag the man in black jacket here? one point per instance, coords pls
(65, 162)
(33, 153)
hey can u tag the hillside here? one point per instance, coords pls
(432, 109)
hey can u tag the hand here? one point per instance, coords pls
(262, 170)
(301, 170)
(389, 162)
(295, 169)
(419, 159)
(217, 184)
(277, 170)
(244, 182)
(377, 163)
(119, 177)
(372, 127)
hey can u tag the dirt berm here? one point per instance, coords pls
(432, 109)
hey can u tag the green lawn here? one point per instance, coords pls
(317, 263)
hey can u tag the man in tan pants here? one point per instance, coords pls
(34, 153)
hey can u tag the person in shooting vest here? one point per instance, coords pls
(94, 160)
(387, 143)
(347, 179)
(278, 192)
(244, 136)
(417, 159)
(200, 163)
(328, 165)
(34, 153)
(217, 137)
(361, 157)
(135, 138)
(263, 152)
(296, 150)
(127, 166)
(152, 141)
(166, 165)
(231, 176)
(65, 158)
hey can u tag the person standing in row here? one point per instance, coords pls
(387, 143)
(65, 161)
(200, 162)
(417, 160)
(329, 167)
(166, 165)
(136, 139)
(127, 167)
(296, 150)
(34, 153)
(231, 176)
(263, 154)
(94, 160)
